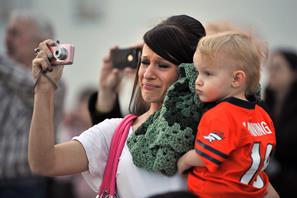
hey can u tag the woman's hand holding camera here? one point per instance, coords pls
(45, 75)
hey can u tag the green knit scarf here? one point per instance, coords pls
(170, 132)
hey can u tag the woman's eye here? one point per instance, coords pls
(163, 65)
(145, 62)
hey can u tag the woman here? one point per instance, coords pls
(281, 96)
(165, 46)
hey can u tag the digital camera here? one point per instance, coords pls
(127, 57)
(63, 54)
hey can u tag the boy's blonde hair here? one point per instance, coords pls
(247, 52)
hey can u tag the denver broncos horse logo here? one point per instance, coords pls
(212, 136)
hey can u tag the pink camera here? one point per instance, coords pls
(63, 54)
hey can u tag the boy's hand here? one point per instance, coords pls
(182, 165)
(189, 160)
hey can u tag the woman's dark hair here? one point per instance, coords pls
(174, 39)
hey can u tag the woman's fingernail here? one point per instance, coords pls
(50, 56)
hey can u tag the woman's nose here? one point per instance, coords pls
(149, 72)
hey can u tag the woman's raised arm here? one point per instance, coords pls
(46, 158)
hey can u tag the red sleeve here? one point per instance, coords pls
(214, 141)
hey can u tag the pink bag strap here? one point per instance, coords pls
(108, 185)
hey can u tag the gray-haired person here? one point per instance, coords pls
(25, 29)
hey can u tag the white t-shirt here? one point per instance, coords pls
(131, 180)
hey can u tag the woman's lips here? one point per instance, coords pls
(149, 86)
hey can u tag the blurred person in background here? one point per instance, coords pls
(75, 122)
(114, 90)
(78, 119)
(24, 31)
(281, 97)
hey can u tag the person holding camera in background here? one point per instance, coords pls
(24, 31)
(116, 78)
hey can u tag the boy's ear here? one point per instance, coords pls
(239, 78)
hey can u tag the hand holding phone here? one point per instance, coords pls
(125, 57)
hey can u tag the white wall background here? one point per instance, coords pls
(123, 23)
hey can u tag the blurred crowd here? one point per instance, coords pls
(111, 99)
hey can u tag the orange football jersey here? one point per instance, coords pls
(235, 140)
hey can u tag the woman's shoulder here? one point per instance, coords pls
(109, 121)
(106, 126)
(102, 130)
